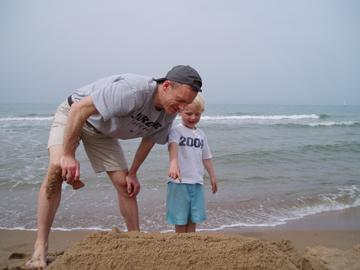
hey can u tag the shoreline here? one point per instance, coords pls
(336, 229)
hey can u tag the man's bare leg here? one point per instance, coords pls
(48, 202)
(128, 205)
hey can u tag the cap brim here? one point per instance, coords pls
(160, 79)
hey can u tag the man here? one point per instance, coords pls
(123, 106)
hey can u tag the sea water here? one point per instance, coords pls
(273, 164)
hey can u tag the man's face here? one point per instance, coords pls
(176, 96)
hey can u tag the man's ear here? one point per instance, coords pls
(166, 85)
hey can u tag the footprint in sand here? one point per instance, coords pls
(16, 260)
(17, 256)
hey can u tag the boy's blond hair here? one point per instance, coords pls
(199, 103)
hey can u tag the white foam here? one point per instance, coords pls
(332, 123)
(26, 118)
(58, 229)
(260, 117)
(17, 229)
(80, 229)
(310, 120)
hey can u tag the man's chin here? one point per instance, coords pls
(171, 111)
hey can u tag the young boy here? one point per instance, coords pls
(189, 153)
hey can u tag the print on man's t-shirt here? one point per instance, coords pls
(144, 122)
(191, 142)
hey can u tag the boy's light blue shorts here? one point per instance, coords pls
(185, 202)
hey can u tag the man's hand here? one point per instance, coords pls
(133, 185)
(70, 168)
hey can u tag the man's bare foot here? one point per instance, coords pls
(38, 259)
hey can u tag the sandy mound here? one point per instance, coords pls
(112, 250)
(333, 258)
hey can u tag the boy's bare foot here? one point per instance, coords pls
(38, 259)
(115, 230)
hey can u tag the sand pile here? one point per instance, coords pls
(323, 258)
(114, 250)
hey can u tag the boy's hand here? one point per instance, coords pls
(214, 187)
(174, 172)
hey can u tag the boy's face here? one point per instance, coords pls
(190, 116)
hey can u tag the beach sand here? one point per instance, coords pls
(323, 241)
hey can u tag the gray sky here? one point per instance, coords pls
(247, 52)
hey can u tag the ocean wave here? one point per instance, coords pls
(251, 213)
(311, 120)
(294, 120)
(324, 116)
(18, 184)
(26, 118)
(344, 198)
(332, 123)
(260, 117)
(35, 115)
(301, 120)
(57, 229)
(322, 124)
(348, 147)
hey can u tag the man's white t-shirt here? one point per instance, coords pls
(193, 148)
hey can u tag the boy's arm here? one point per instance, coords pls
(174, 171)
(210, 169)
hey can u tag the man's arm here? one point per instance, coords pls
(79, 113)
(133, 186)
(210, 169)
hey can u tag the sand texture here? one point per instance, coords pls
(120, 250)
(177, 251)
(114, 250)
(332, 258)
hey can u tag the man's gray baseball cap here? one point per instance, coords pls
(185, 75)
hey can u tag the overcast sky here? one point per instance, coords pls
(247, 52)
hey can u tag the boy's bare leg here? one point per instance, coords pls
(128, 205)
(180, 228)
(191, 227)
(48, 202)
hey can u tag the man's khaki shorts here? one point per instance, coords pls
(104, 152)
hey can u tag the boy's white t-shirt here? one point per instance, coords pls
(193, 148)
